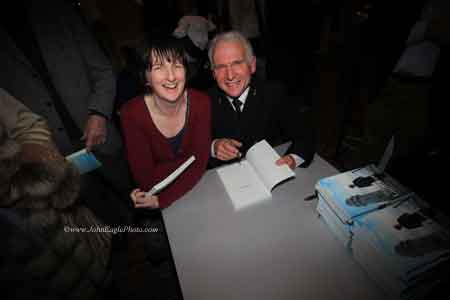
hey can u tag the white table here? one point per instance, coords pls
(277, 249)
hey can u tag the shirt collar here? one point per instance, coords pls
(242, 97)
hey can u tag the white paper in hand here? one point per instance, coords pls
(165, 182)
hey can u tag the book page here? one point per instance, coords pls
(168, 180)
(263, 157)
(242, 184)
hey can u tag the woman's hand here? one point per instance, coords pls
(141, 200)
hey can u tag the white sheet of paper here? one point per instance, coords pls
(242, 184)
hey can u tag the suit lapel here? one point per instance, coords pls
(250, 115)
(226, 107)
(47, 29)
(251, 104)
(247, 129)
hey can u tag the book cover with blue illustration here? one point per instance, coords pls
(349, 201)
(84, 161)
(399, 240)
(402, 247)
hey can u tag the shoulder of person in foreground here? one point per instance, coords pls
(21, 123)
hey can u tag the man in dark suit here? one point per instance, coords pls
(49, 53)
(246, 110)
(52, 64)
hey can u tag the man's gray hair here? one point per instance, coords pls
(230, 36)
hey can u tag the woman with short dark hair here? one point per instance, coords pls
(166, 126)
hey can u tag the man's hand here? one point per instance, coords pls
(95, 131)
(227, 149)
(288, 160)
(141, 200)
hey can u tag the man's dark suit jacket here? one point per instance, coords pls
(78, 69)
(268, 114)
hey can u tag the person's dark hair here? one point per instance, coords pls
(170, 49)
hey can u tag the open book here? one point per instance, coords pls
(169, 179)
(252, 180)
(84, 161)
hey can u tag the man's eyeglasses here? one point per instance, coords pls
(233, 65)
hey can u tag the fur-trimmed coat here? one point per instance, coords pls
(41, 255)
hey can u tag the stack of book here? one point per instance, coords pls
(396, 237)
